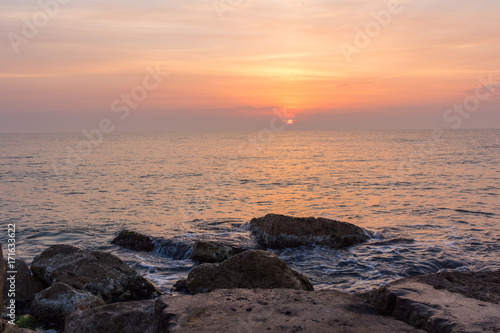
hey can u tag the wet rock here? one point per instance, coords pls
(173, 248)
(127, 317)
(100, 273)
(444, 302)
(53, 305)
(213, 252)
(26, 286)
(181, 286)
(134, 241)
(276, 310)
(250, 269)
(280, 231)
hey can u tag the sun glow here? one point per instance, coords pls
(290, 122)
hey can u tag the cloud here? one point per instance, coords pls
(264, 53)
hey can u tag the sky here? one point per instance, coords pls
(65, 65)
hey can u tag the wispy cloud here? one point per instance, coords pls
(276, 52)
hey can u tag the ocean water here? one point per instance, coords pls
(430, 199)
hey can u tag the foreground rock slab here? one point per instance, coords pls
(128, 317)
(250, 269)
(445, 302)
(279, 310)
(103, 274)
(484, 286)
(279, 231)
(213, 252)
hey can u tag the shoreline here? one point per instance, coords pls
(279, 307)
(69, 289)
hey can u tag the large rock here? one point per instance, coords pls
(134, 241)
(444, 302)
(250, 269)
(127, 317)
(280, 231)
(277, 310)
(53, 305)
(212, 252)
(26, 286)
(100, 273)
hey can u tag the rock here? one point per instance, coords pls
(26, 286)
(212, 252)
(280, 231)
(5, 327)
(484, 286)
(277, 310)
(250, 269)
(53, 305)
(134, 241)
(173, 248)
(181, 286)
(127, 317)
(432, 304)
(3, 276)
(100, 273)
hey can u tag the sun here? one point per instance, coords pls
(290, 122)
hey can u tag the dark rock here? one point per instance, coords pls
(134, 241)
(212, 252)
(100, 273)
(431, 304)
(127, 317)
(276, 310)
(53, 305)
(26, 286)
(280, 231)
(250, 269)
(181, 286)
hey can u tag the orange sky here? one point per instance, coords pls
(255, 56)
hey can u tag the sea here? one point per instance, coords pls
(429, 198)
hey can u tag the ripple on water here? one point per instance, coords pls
(441, 216)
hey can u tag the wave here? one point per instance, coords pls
(473, 212)
(174, 249)
(394, 241)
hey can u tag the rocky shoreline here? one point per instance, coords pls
(232, 289)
